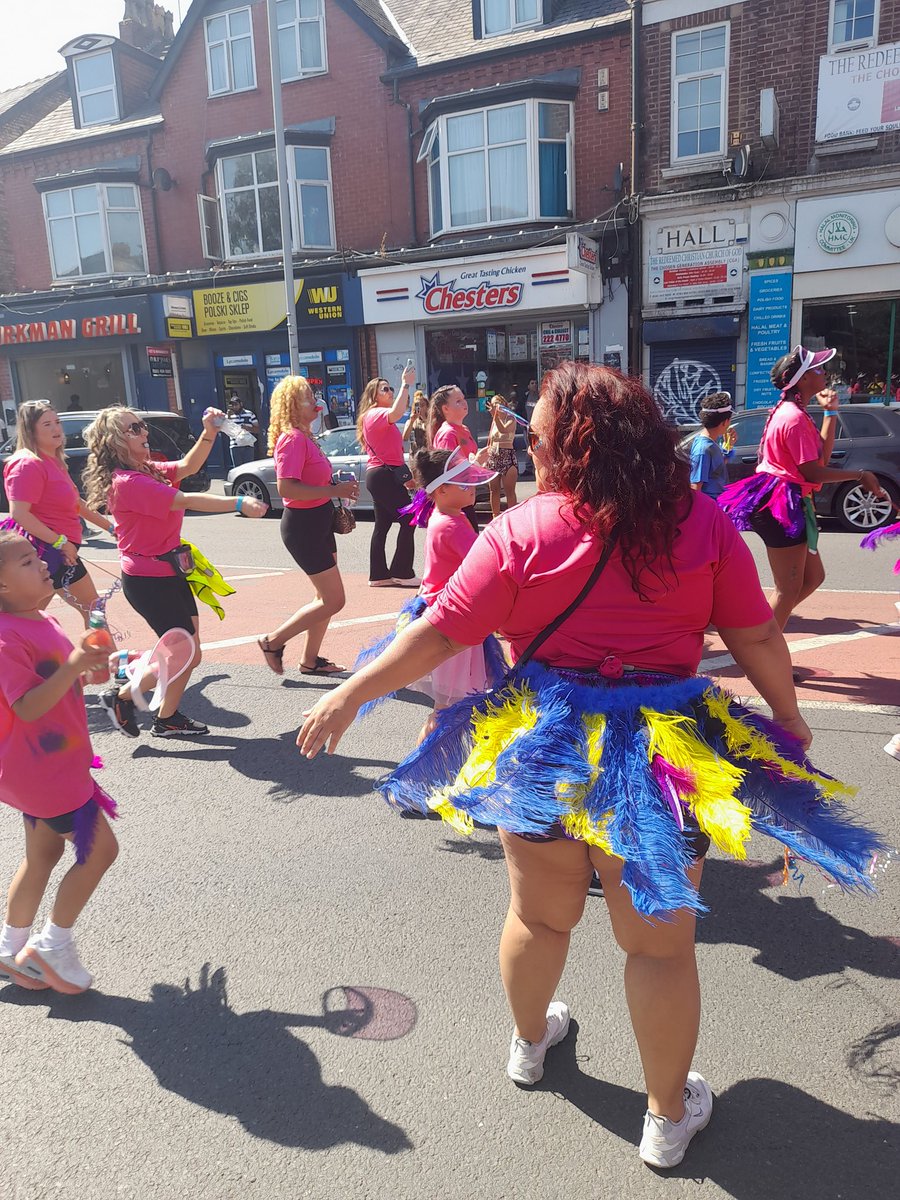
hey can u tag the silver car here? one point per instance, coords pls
(339, 446)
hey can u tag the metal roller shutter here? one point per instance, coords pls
(682, 373)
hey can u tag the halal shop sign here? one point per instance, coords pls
(485, 290)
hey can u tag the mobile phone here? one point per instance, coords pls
(409, 363)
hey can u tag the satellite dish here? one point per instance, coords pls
(740, 162)
(162, 180)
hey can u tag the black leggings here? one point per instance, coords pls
(388, 496)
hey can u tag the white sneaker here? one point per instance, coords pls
(526, 1059)
(61, 968)
(664, 1142)
(893, 746)
(10, 973)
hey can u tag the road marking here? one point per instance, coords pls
(878, 710)
(273, 574)
(813, 643)
(381, 618)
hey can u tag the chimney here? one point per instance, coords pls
(147, 26)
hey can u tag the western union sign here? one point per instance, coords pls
(259, 306)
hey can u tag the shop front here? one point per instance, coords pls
(490, 325)
(847, 289)
(79, 354)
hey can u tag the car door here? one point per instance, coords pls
(749, 427)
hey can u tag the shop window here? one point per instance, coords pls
(301, 38)
(505, 16)
(493, 166)
(866, 368)
(853, 25)
(95, 88)
(98, 380)
(230, 64)
(699, 92)
(95, 230)
(245, 221)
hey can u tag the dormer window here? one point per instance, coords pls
(95, 88)
(506, 16)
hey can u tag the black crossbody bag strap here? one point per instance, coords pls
(564, 616)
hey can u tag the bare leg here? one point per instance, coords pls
(176, 689)
(661, 986)
(43, 850)
(82, 596)
(80, 882)
(548, 884)
(494, 488)
(788, 565)
(314, 616)
(813, 576)
(509, 487)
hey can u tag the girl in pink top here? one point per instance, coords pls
(144, 500)
(307, 523)
(44, 502)
(45, 761)
(446, 431)
(602, 749)
(387, 476)
(776, 501)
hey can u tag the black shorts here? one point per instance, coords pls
(65, 822)
(308, 536)
(773, 533)
(60, 574)
(164, 603)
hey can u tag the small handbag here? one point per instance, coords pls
(343, 520)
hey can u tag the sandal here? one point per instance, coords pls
(323, 666)
(277, 655)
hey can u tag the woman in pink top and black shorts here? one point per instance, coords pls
(776, 502)
(143, 497)
(446, 431)
(304, 479)
(387, 474)
(603, 749)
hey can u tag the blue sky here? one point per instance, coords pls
(33, 32)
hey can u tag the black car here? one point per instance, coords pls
(868, 439)
(170, 438)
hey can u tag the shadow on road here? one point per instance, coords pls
(278, 762)
(793, 937)
(489, 850)
(766, 1139)
(249, 1065)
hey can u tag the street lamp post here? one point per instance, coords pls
(284, 201)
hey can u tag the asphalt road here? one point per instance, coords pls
(297, 992)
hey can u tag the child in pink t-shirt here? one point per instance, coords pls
(45, 761)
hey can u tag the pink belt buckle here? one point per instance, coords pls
(611, 667)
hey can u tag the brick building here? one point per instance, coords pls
(771, 193)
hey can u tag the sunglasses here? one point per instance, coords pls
(386, 388)
(534, 439)
(136, 427)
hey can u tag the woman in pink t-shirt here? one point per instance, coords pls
(144, 500)
(446, 431)
(776, 502)
(603, 749)
(387, 474)
(304, 478)
(45, 773)
(44, 501)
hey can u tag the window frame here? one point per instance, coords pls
(722, 72)
(434, 152)
(835, 47)
(296, 23)
(513, 26)
(80, 92)
(231, 90)
(103, 210)
(296, 214)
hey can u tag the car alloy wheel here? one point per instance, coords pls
(248, 486)
(860, 511)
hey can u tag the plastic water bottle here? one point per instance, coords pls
(346, 477)
(225, 425)
(98, 636)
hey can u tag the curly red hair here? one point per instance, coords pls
(610, 451)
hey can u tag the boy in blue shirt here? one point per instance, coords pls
(709, 472)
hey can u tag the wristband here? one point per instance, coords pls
(121, 676)
(60, 542)
(239, 504)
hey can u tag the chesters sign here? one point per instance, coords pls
(27, 333)
(472, 296)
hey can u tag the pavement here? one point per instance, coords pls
(297, 992)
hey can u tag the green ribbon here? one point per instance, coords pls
(812, 526)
